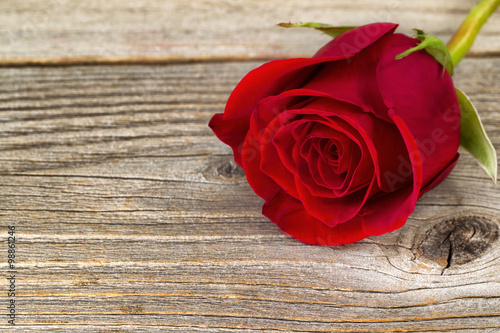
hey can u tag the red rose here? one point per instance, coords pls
(341, 145)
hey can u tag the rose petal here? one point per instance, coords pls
(333, 211)
(261, 183)
(390, 211)
(227, 131)
(284, 142)
(354, 80)
(425, 99)
(290, 216)
(436, 181)
(270, 108)
(281, 171)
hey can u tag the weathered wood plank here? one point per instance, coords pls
(131, 216)
(70, 30)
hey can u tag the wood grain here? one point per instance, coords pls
(69, 31)
(132, 217)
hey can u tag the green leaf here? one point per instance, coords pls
(434, 46)
(473, 137)
(330, 30)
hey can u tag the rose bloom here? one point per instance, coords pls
(342, 145)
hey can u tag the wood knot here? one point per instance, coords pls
(457, 241)
(230, 170)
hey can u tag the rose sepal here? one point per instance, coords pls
(434, 46)
(330, 30)
(473, 136)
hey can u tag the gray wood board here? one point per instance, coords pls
(59, 31)
(131, 216)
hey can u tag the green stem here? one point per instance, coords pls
(464, 37)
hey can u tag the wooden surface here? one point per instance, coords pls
(157, 30)
(131, 216)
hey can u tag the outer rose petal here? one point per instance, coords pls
(354, 80)
(425, 99)
(232, 132)
(337, 211)
(261, 183)
(289, 214)
(391, 211)
(272, 165)
(436, 181)
(353, 41)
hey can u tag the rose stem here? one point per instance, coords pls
(464, 37)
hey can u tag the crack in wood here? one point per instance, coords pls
(449, 259)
